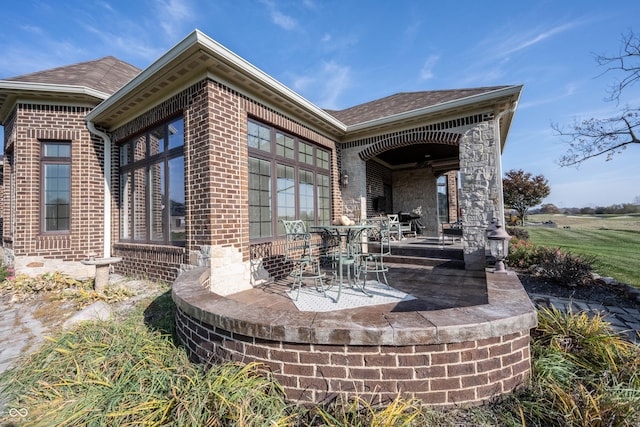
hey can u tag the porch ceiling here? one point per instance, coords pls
(419, 155)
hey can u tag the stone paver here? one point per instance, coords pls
(624, 320)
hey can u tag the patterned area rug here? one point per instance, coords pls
(312, 300)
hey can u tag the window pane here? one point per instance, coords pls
(177, 226)
(140, 148)
(125, 208)
(156, 140)
(124, 154)
(156, 201)
(324, 200)
(139, 204)
(57, 196)
(306, 153)
(176, 133)
(323, 159)
(307, 199)
(57, 149)
(286, 188)
(259, 198)
(284, 146)
(443, 199)
(259, 136)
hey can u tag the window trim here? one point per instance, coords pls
(54, 160)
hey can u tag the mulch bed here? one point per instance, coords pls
(607, 294)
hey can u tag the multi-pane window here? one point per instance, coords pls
(152, 186)
(56, 186)
(288, 179)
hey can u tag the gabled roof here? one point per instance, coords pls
(404, 102)
(85, 83)
(198, 56)
(105, 75)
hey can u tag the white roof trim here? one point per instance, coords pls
(201, 40)
(48, 87)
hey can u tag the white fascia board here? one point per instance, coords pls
(50, 88)
(434, 109)
(202, 41)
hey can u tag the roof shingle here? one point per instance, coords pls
(106, 75)
(403, 102)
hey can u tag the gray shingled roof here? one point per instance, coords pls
(402, 103)
(106, 75)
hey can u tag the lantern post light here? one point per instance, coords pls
(499, 246)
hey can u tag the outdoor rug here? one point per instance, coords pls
(312, 300)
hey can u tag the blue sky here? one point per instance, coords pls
(340, 53)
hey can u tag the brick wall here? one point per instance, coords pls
(216, 168)
(30, 125)
(463, 373)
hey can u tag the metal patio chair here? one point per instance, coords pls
(305, 265)
(372, 261)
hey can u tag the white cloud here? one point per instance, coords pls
(519, 42)
(426, 72)
(284, 21)
(326, 86)
(172, 15)
(277, 17)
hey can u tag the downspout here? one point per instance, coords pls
(499, 161)
(106, 250)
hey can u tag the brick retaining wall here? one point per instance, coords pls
(466, 362)
(465, 373)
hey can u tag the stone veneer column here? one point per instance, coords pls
(478, 198)
(353, 194)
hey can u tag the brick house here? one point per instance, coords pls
(193, 160)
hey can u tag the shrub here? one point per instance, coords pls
(518, 233)
(583, 374)
(552, 263)
(522, 254)
(564, 267)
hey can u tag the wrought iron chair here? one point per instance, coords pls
(372, 261)
(299, 252)
(341, 249)
(394, 226)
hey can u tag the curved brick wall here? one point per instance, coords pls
(472, 366)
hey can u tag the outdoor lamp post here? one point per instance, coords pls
(499, 246)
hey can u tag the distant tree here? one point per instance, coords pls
(521, 191)
(549, 208)
(611, 135)
(636, 200)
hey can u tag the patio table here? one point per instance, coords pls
(347, 239)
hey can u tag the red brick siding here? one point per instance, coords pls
(466, 373)
(31, 125)
(216, 173)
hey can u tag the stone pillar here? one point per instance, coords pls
(479, 200)
(355, 193)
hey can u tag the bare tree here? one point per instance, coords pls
(612, 135)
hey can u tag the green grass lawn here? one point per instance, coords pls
(614, 241)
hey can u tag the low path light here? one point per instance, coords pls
(499, 246)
